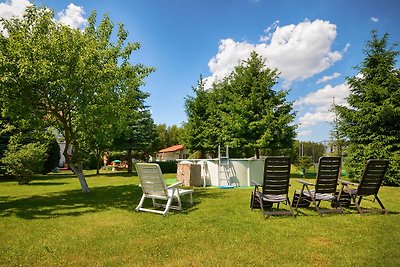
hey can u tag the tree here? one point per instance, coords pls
(54, 75)
(242, 111)
(196, 129)
(138, 131)
(313, 149)
(337, 137)
(371, 119)
(259, 117)
(303, 163)
(169, 135)
(53, 155)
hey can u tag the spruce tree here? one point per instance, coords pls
(371, 120)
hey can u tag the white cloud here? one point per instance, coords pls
(72, 16)
(346, 48)
(304, 133)
(329, 77)
(374, 19)
(268, 32)
(298, 51)
(319, 104)
(12, 9)
(310, 119)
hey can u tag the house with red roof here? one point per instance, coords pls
(172, 153)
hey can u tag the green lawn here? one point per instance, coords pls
(51, 222)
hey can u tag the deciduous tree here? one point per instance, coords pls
(55, 75)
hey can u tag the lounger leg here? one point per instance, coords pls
(380, 203)
(191, 199)
(290, 205)
(140, 203)
(357, 203)
(165, 213)
(298, 199)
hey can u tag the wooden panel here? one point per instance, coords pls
(189, 174)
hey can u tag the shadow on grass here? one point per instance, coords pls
(71, 203)
(44, 183)
(76, 203)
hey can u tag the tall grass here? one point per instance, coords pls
(51, 222)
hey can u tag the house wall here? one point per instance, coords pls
(170, 156)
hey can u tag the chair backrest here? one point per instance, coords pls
(371, 180)
(276, 175)
(151, 179)
(328, 174)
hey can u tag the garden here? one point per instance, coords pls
(52, 222)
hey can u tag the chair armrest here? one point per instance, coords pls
(347, 183)
(175, 184)
(254, 183)
(305, 182)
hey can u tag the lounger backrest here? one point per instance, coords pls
(276, 175)
(371, 180)
(328, 175)
(151, 179)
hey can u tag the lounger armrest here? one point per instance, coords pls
(347, 183)
(254, 183)
(175, 184)
(305, 182)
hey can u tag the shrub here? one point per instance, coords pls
(304, 163)
(167, 166)
(24, 161)
(53, 156)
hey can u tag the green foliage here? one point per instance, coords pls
(312, 149)
(167, 166)
(242, 111)
(53, 156)
(303, 163)
(75, 80)
(24, 161)
(371, 120)
(169, 135)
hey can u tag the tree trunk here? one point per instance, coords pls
(78, 170)
(129, 160)
(257, 155)
(98, 162)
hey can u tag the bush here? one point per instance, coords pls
(24, 161)
(53, 156)
(89, 161)
(167, 166)
(304, 163)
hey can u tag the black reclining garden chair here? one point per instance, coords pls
(275, 187)
(369, 185)
(325, 185)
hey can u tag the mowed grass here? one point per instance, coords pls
(52, 223)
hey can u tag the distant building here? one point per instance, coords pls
(62, 158)
(172, 153)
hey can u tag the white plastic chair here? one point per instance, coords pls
(153, 186)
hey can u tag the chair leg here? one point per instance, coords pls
(380, 203)
(290, 205)
(165, 213)
(140, 203)
(298, 199)
(191, 199)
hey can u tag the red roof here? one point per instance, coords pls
(171, 149)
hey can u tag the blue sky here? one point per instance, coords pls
(314, 44)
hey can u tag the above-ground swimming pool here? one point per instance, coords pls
(241, 171)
